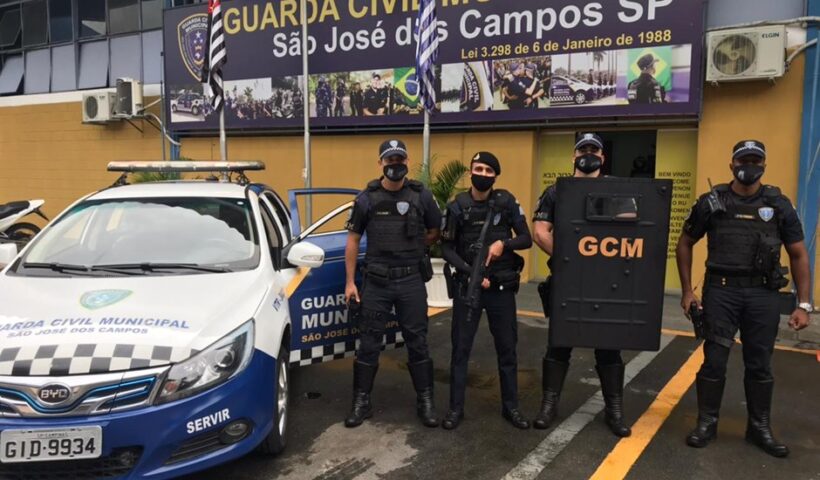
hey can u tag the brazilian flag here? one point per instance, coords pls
(663, 68)
(406, 83)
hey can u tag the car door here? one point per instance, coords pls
(321, 329)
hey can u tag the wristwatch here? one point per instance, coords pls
(806, 306)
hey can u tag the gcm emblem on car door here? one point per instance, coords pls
(321, 329)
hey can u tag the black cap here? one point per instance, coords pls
(749, 147)
(585, 139)
(646, 61)
(488, 159)
(376, 75)
(392, 147)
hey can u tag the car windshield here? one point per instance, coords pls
(147, 236)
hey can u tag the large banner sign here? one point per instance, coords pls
(499, 60)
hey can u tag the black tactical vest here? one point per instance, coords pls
(473, 216)
(395, 228)
(735, 235)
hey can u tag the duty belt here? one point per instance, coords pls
(736, 280)
(401, 272)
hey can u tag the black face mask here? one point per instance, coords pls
(395, 172)
(482, 183)
(588, 163)
(748, 174)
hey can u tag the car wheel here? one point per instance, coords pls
(275, 442)
(173, 108)
(195, 111)
(22, 232)
(580, 98)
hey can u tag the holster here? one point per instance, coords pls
(426, 268)
(767, 263)
(449, 281)
(544, 289)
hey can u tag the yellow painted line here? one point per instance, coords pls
(686, 333)
(627, 451)
(297, 280)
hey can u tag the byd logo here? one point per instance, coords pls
(611, 247)
(54, 393)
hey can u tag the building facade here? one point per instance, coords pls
(53, 51)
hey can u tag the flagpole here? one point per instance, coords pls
(223, 140)
(426, 135)
(306, 111)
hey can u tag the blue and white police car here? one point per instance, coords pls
(148, 330)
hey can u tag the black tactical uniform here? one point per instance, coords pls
(743, 276)
(555, 364)
(464, 219)
(395, 223)
(645, 89)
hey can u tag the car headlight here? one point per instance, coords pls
(213, 366)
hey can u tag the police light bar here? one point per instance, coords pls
(184, 166)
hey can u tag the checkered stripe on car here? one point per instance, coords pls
(562, 98)
(85, 358)
(336, 351)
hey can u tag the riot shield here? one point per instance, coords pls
(609, 262)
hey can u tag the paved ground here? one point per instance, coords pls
(660, 400)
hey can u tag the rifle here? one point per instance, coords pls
(473, 294)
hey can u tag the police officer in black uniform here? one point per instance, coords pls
(400, 218)
(746, 225)
(645, 89)
(589, 159)
(464, 220)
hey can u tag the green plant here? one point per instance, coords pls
(444, 185)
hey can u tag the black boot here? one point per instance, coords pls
(363, 375)
(759, 405)
(516, 418)
(710, 393)
(452, 419)
(553, 374)
(422, 374)
(612, 386)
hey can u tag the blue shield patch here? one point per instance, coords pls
(403, 207)
(103, 298)
(766, 213)
(192, 35)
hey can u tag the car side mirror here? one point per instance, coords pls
(306, 254)
(8, 252)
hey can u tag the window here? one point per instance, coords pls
(281, 211)
(151, 14)
(11, 75)
(35, 23)
(10, 28)
(124, 15)
(59, 13)
(91, 18)
(272, 232)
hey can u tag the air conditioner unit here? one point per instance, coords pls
(746, 54)
(129, 98)
(98, 107)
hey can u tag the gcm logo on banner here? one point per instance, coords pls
(611, 247)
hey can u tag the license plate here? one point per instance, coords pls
(50, 444)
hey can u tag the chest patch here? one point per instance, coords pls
(766, 213)
(403, 207)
